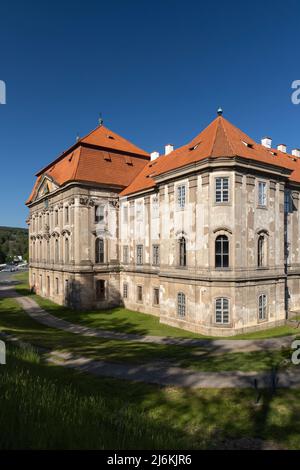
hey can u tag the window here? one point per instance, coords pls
(56, 250)
(66, 289)
(41, 284)
(48, 251)
(182, 251)
(66, 250)
(56, 286)
(222, 252)
(139, 212)
(56, 218)
(125, 290)
(48, 286)
(181, 193)
(155, 255)
(41, 251)
(139, 293)
(262, 307)
(288, 206)
(156, 296)
(100, 290)
(99, 214)
(222, 190)
(155, 207)
(262, 193)
(66, 214)
(99, 250)
(181, 304)
(261, 249)
(125, 254)
(139, 254)
(222, 310)
(125, 214)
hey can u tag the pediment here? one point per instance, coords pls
(45, 187)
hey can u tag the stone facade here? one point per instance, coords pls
(159, 249)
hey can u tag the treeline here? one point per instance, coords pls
(13, 242)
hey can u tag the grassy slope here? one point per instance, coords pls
(14, 321)
(45, 406)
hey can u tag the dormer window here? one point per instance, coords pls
(247, 144)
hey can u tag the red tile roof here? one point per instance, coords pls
(219, 139)
(102, 157)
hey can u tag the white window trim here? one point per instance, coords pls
(222, 189)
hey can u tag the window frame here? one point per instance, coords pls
(99, 218)
(140, 254)
(262, 196)
(155, 254)
(221, 192)
(125, 254)
(220, 311)
(181, 304)
(156, 292)
(99, 254)
(100, 292)
(155, 207)
(181, 196)
(223, 255)
(139, 290)
(125, 290)
(262, 307)
(182, 252)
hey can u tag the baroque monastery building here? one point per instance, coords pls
(206, 236)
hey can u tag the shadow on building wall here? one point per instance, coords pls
(80, 297)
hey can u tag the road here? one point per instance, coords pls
(7, 277)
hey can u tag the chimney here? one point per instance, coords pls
(154, 156)
(169, 148)
(266, 142)
(281, 148)
(296, 153)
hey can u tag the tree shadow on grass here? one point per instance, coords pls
(62, 408)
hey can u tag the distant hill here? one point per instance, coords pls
(13, 242)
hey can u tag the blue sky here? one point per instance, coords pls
(156, 70)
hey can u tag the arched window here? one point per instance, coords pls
(262, 307)
(56, 250)
(222, 251)
(99, 250)
(182, 251)
(181, 304)
(66, 250)
(222, 310)
(261, 251)
(48, 251)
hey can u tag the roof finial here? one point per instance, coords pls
(220, 111)
(100, 120)
(77, 137)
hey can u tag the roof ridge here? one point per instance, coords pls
(222, 120)
(77, 163)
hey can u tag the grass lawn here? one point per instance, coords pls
(49, 407)
(14, 321)
(128, 321)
